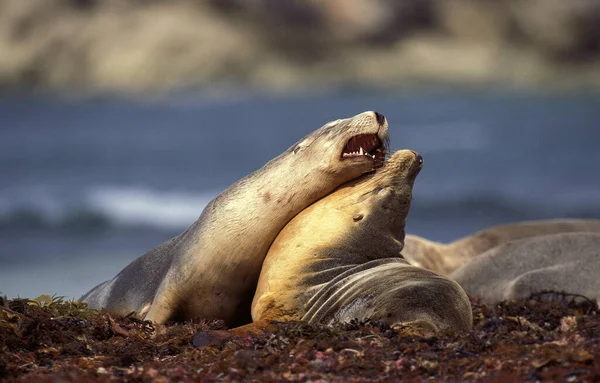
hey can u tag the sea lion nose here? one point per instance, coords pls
(380, 118)
(418, 159)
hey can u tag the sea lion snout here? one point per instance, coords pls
(418, 158)
(402, 165)
(367, 139)
(380, 118)
(417, 165)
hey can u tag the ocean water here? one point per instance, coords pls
(86, 186)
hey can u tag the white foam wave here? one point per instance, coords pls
(120, 206)
(138, 206)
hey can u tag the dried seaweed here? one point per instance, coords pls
(50, 339)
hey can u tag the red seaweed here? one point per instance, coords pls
(530, 340)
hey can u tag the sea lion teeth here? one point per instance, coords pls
(212, 268)
(369, 143)
(339, 260)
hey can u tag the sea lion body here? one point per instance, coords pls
(211, 269)
(339, 259)
(446, 258)
(555, 265)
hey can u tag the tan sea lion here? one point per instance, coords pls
(339, 259)
(555, 266)
(211, 269)
(445, 258)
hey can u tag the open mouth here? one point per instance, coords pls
(366, 146)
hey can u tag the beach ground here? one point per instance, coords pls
(52, 340)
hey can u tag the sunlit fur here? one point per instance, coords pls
(212, 268)
(339, 259)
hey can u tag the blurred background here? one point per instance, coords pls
(121, 119)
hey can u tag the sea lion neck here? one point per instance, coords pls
(391, 191)
(376, 205)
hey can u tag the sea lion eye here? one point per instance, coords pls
(296, 149)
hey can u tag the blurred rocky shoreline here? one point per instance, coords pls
(136, 46)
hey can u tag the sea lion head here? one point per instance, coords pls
(380, 201)
(363, 219)
(346, 148)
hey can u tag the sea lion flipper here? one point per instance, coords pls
(421, 327)
(163, 306)
(157, 314)
(557, 283)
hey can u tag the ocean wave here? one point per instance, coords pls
(506, 207)
(145, 207)
(106, 207)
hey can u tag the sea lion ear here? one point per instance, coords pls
(305, 143)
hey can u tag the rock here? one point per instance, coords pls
(118, 45)
(475, 20)
(566, 29)
(153, 45)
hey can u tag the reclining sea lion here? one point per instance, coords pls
(211, 269)
(339, 259)
(556, 267)
(445, 258)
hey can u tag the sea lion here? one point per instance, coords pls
(211, 269)
(551, 266)
(339, 259)
(445, 258)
